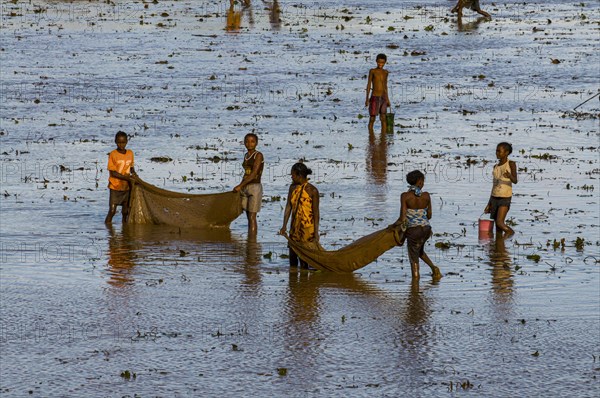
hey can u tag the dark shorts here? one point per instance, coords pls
(415, 241)
(119, 198)
(377, 105)
(495, 203)
(472, 4)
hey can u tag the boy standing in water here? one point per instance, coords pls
(377, 88)
(251, 188)
(121, 174)
(503, 176)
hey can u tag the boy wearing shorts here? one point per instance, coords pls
(121, 174)
(378, 101)
(251, 187)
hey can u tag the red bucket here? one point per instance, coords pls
(486, 225)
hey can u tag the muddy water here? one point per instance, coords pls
(196, 313)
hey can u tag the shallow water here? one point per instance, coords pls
(197, 313)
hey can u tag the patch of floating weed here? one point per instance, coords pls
(161, 159)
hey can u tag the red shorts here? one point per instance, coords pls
(377, 105)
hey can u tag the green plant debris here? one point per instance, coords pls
(161, 159)
(442, 245)
(544, 156)
(534, 257)
(282, 371)
(127, 375)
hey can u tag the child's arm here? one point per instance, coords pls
(120, 176)
(402, 217)
(385, 89)
(255, 168)
(369, 84)
(287, 212)
(429, 213)
(513, 172)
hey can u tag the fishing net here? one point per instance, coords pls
(152, 205)
(349, 258)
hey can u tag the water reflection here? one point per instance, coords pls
(417, 306)
(308, 294)
(252, 262)
(120, 258)
(274, 14)
(303, 301)
(377, 159)
(235, 13)
(501, 262)
(469, 26)
(154, 245)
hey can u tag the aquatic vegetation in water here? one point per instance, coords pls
(556, 244)
(534, 257)
(282, 371)
(544, 156)
(442, 245)
(128, 375)
(161, 159)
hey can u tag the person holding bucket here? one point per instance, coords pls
(378, 102)
(504, 175)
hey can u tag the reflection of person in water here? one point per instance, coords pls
(120, 258)
(417, 308)
(234, 17)
(252, 262)
(469, 26)
(274, 14)
(377, 158)
(500, 260)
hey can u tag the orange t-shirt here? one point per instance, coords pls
(122, 164)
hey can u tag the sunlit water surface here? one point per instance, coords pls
(88, 310)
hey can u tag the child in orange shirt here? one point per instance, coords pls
(120, 167)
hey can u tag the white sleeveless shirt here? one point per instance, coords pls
(502, 186)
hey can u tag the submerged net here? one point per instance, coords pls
(349, 258)
(153, 205)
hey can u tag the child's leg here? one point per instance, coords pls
(371, 123)
(456, 7)
(500, 217)
(434, 270)
(125, 213)
(252, 225)
(383, 120)
(414, 269)
(293, 258)
(112, 209)
(303, 264)
(485, 14)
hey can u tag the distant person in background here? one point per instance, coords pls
(303, 205)
(121, 174)
(274, 14)
(472, 4)
(503, 176)
(251, 188)
(234, 17)
(377, 100)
